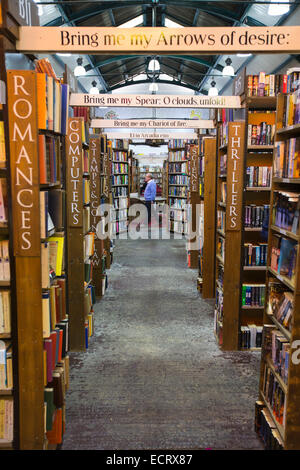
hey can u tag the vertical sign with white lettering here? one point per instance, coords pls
(94, 180)
(22, 111)
(235, 174)
(74, 172)
(194, 168)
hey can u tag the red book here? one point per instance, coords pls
(53, 337)
(48, 348)
(42, 159)
(284, 83)
(60, 345)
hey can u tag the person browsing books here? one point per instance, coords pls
(150, 193)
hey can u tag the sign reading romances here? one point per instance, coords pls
(74, 172)
(235, 172)
(153, 123)
(155, 101)
(21, 86)
(211, 40)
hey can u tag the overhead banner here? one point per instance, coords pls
(208, 40)
(155, 101)
(149, 135)
(153, 123)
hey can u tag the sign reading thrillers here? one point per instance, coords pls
(155, 101)
(21, 86)
(211, 40)
(74, 172)
(94, 180)
(235, 172)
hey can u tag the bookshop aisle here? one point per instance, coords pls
(153, 376)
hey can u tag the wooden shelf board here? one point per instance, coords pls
(283, 330)
(261, 102)
(260, 147)
(6, 444)
(250, 307)
(290, 130)
(258, 188)
(5, 335)
(286, 180)
(278, 377)
(281, 278)
(285, 232)
(4, 283)
(4, 392)
(253, 229)
(255, 268)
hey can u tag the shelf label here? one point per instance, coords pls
(94, 180)
(143, 40)
(155, 101)
(74, 183)
(153, 123)
(194, 168)
(235, 170)
(23, 131)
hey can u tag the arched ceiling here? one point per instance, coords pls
(192, 71)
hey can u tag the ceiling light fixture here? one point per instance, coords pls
(94, 90)
(228, 70)
(213, 91)
(79, 69)
(154, 65)
(153, 87)
(243, 55)
(275, 9)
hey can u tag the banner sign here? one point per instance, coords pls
(25, 179)
(155, 101)
(149, 135)
(235, 174)
(74, 172)
(207, 40)
(194, 150)
(153, 123)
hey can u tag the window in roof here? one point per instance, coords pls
(141, 76)
(137, 21)
(171, 24)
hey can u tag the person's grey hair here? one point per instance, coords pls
(149, 174)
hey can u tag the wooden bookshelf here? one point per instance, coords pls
(207, 181)
(120, 185)
(283, 183)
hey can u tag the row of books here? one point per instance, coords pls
(52, 259)
(82, 111)
(223, 192)
(177, 155)
(221, 248)
(283, 256)
(218, 313)
(179, 216)
(89, 244)
(179, 179)
(274, 394)
(255, 255)
(261, 134)
(285, 212)
(280, 353)
(120, 203)
(177, 143)
(221, 217)
(223, 164)
(265, 427)
(177, 203)
(49, 159)
(287, 158)
(178, 167)
(223, 134)
(4, 261)
(5, 312)
(253, 295)
(119, 214)
(178, 191)
(178, 226)
(251, 336)
(118, 191)
(53, 306)
(293, 79)
(6, 365)
(6, 419)
(55, 348)
(255, 215)
(120, 179)
(291, 113)
(266, 84)
(120, 156)
(119, 168)
(118, 144)
(280, 303)
(119, 226)
(85, 161)
(52, 211)
(258, 176)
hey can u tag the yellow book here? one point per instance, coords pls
(45, 265)
(6, 311)
(2, 146)
(46, 315)
(57, 253)
(2, 417)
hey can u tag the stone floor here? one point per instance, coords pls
(153, 376)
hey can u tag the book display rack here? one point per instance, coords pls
(120, 184)
(207, 216)
(277, 410)
(134, 173)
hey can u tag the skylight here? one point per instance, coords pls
(171, 24)
(137, 21)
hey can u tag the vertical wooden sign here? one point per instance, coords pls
(106, 173)
(74, 172)
(94, 180)
(22, 110)
(235, 175)
(194, 168)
